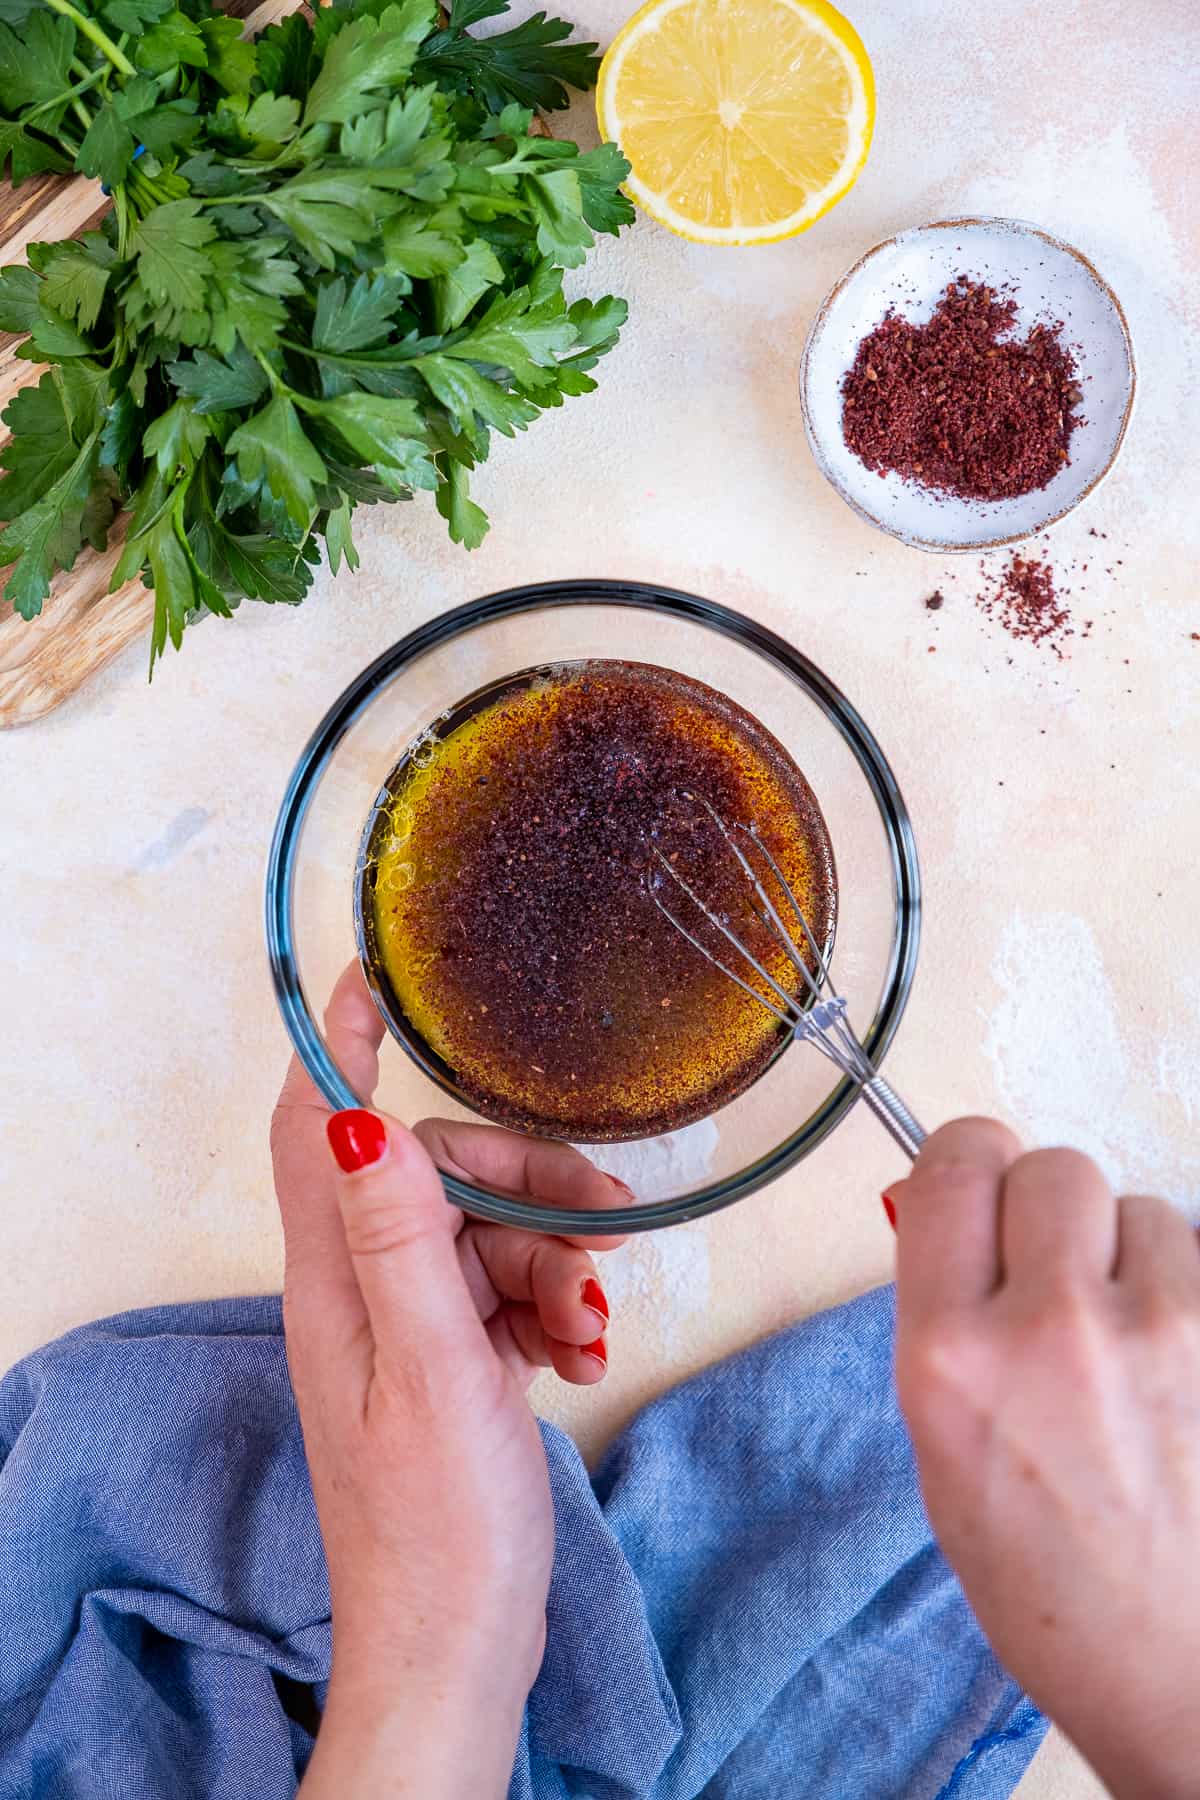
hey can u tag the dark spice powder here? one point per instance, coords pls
(957, 404)
(1026, 603)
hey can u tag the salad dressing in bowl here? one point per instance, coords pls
(504, 918)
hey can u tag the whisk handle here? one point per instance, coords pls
(893, 1115)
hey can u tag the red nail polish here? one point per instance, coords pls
(599, 1350)
(357, 1139)
(889, 1209)
(593, 1298)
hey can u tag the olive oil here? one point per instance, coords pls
(504, 918)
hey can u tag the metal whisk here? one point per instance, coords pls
(818, 1016)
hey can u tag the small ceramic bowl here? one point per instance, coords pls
(1050, 281)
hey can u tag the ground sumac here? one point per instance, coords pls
(960, 404)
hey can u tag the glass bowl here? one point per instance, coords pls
(311, 876)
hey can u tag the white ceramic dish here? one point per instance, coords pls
(908, 273)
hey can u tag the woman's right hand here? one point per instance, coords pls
(1048, 1362)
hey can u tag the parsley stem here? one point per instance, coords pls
(91, 30)
(350, 362)
(81, 87)
(122, 211)
(278, 386)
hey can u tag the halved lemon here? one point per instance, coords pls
(744, 120)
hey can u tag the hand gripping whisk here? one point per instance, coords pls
(818, 1015)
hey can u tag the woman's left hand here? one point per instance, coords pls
(412, 1333)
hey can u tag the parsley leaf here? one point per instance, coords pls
(165, 127)
(133, 16)
(49, 534)
(469, 396)
(272, 118)
(385, 433)
(120, 435)
(27, 154)
(392, 134)
(265, 569)
(248, 287)
(338, 541)
(356, 318)
(597, 325)
(231, 60)
(40, 449)
(556, 201)
(367, 57)
(52, 338)
(220, 384)
(170, 575)
(465, 13)
(600, 173)
(274, 454)
(525, 340)
(168, 246)
(19, 298)
(468, 523)
(74, 285)
(33, 67)
(175, 40)
(329, 212)
(456, 292)
(420, 245)
(529, 64)
(176, 439)
(107, 148)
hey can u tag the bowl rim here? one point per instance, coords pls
(300, 1021)
(956, 546)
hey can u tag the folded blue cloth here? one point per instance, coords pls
(746, 1600)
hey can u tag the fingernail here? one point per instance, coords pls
(624, 1188)
(889, 1209)
(593, 1298)
(599, 1350)
(357, 1139)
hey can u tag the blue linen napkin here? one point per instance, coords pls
(746, 1600)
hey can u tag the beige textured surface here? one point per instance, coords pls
(1056, 806)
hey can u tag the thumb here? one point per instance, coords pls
(400, 1234)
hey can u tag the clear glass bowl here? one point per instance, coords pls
(310, 900)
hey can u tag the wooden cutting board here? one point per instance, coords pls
(82, 625)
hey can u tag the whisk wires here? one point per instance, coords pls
(817, 1013)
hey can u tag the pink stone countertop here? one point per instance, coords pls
(1056, 805)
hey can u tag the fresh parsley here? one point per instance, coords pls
(332, 269)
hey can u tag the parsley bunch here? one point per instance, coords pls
(333, 267)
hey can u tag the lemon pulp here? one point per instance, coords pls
(743, 120)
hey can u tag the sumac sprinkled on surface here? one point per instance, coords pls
(959, 404)
(1025, 602)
